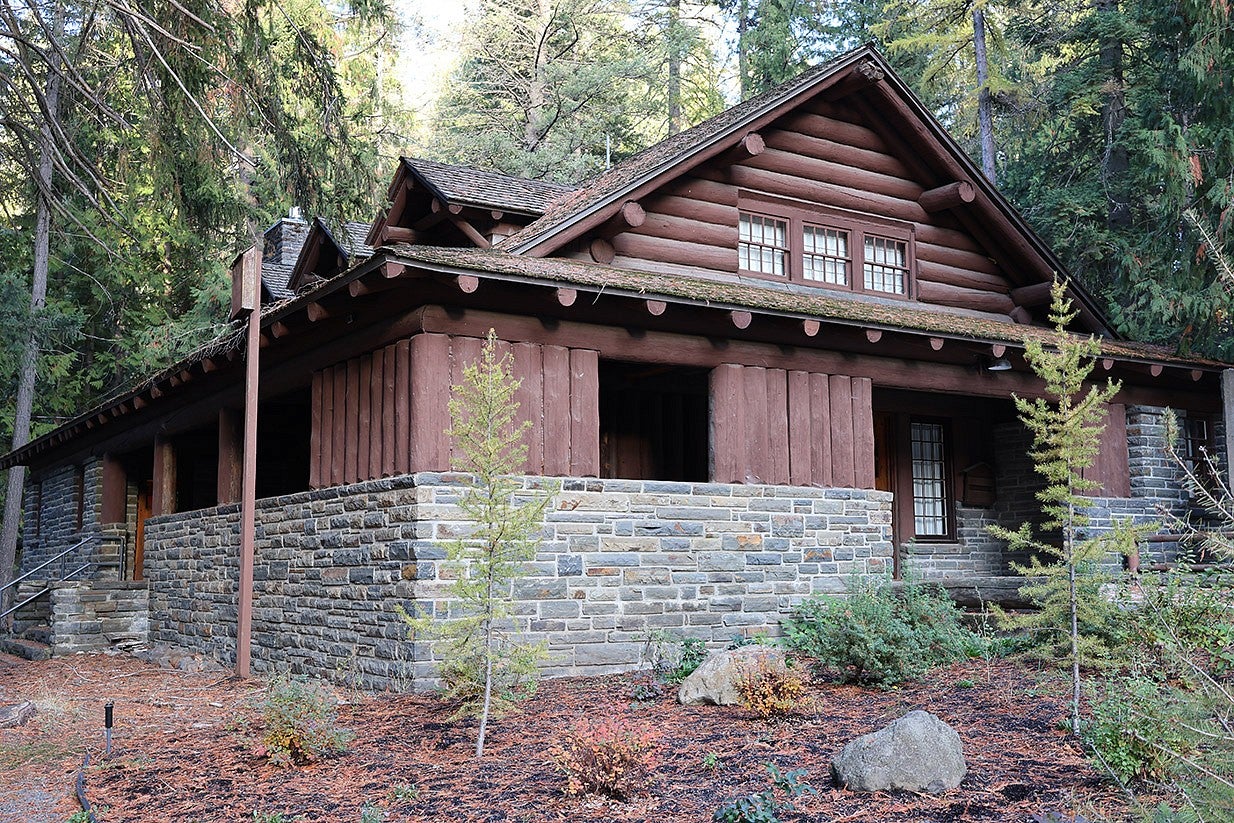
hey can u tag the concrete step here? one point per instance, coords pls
(28, 649)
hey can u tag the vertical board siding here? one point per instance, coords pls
(727, 391)
(430, 402)
(863, 433)
(842, 445)
(556, 410)
(376, 385)
(584, 413)
(389, 404)
(387, 412)
(528, 368)
(315, 431)
(1110, 468)
(801, 430)
(778, 427)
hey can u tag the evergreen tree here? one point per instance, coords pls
(1066, 427)
(547, 90)
(485, 669)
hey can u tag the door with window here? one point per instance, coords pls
(913, 460)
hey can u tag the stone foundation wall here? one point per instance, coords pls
(96, 616)
(619, 560)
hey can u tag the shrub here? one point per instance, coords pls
(764, 806)
(768, 690)
(301, 721)
(609, 757)
(881, 636)
(673, 658)
(1132, 735)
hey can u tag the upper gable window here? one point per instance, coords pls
(825, 247)
(763, 244)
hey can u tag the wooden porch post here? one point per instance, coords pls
(231, 455)
(115, 490)
(163, 494)
(246, 298)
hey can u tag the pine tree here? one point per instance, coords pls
(1066, 425)
(485, 670)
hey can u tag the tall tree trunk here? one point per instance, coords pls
(537, 94)
(743, 12)
(673, 34)
(1115, 162)
(985, 118)
(38, 299)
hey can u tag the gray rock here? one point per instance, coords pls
(715, 682)
(15, 715)
(917, 753)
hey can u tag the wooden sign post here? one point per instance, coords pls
(246, 299)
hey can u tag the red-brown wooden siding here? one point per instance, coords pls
(1110, 468)
(387, 412)
(773, 426)
(826, 155)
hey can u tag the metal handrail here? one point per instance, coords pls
(43, 591)
(45, 564)
(63, 576)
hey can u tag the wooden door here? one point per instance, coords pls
(885, 475)
(144, 493)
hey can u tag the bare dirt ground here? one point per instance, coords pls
(184, 751)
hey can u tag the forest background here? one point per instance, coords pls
(148, 140)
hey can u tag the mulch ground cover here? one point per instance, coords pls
(183, 752)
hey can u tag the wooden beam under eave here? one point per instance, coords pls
(397, 234)
(359, 288)
(950, 196)
(810, 327)
(632, 214)
(139, 402)
(1037, 294)
(1196, 374)
(753, 144)
(155, 392)
(391, 271)
(316, 312)
(173, 381)
(469, 230)
(1156, 369)
(998, 350)
(936, 343)
(874, 335)
(279, 328)
(566, 297)
(263, 341)
(1022, 316)
(438, 206)
(602, 251)
(656, 307)
(741, 319)
(467, 283)
(1107, 363)
(209, 364)
(863, 75)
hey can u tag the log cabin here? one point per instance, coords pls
(768, 354)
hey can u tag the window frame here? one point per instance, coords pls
(950, 498)
(799, 214)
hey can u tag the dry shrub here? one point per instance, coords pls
(769, 690)
(608, 757)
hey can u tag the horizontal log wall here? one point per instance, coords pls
(387, 413)
(780, 427)
(822, 155)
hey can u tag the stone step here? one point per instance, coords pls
(39, 634)
(28, 649)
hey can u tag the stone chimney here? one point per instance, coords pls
(284, 239)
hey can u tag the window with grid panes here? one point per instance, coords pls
(763, 244)
(826, 247)
(1196, 441)
(824, 255)
(929, 465)
(886, 265)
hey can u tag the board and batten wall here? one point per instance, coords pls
(387, 413)
(791, 427)
(824, 154)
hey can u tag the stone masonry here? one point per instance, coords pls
(96, 616)
(619, 560)
(50, 522)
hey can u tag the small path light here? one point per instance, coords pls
(107, 722)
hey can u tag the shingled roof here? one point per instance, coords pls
(468, 186)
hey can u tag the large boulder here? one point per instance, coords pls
(917, 753)
(715, 681)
